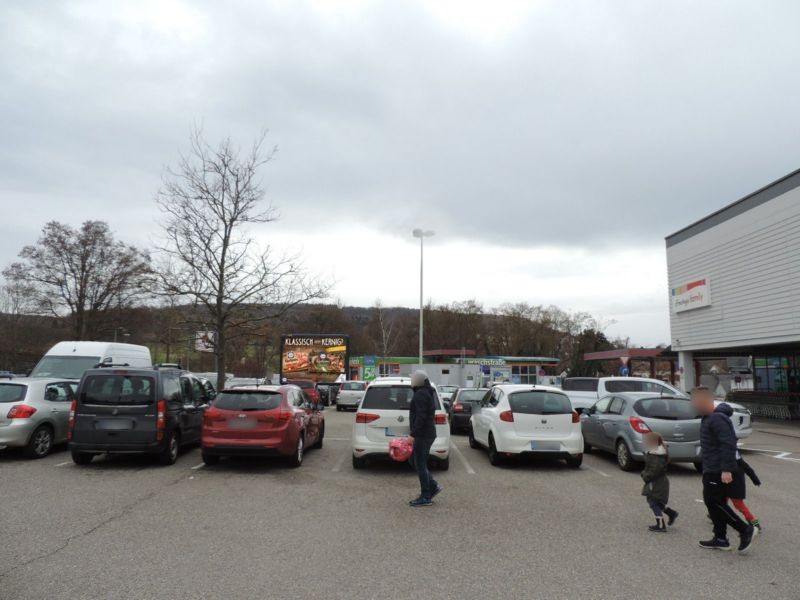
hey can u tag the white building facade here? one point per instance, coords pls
(734, 286)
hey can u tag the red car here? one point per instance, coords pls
(309, 387)
(261, 421)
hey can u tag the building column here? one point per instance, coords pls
(686, 368)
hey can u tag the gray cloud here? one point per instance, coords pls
(589, 124)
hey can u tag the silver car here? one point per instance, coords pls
(617, 422)
(34, 414)
(350, 394)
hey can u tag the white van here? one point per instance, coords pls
(68, 360)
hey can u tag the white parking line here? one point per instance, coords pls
(64, 464)
(598, 471)
(330, 439)
(779, 454)
(463, 459)
(200, 466)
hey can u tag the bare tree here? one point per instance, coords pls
(211, 200)
(384, 325)
(83, 272)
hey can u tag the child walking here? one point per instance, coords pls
(656, 482)
(739, 503)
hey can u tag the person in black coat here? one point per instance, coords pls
(722, 477)
(656, 482)
(422, 423)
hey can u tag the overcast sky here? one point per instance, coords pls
(551, 145)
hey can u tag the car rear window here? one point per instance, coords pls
(390, 397)
(471, 395)
(354, 386)
(248, 400)
(118, 389)
(539, 403)
(672, 409)
(448, 388)
(12, 392)
(579, 385)
(631, 385)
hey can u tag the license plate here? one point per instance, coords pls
(545, 446)
(241, 423)
(114, 424)
(389, 432)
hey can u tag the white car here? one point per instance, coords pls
(383, 416)
(350, 394)
(526, 419)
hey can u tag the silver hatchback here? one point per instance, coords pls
(617, 422)
(34, 414)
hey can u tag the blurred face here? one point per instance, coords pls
(703, 401)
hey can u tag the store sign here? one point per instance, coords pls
(486, 362)
(691, 295)
(204, 341)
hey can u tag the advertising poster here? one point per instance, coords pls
(370, 368)
(204, 341)
(319, 357)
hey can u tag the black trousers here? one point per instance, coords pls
(715, 496)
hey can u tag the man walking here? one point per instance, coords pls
(722, 478)
(422, 415)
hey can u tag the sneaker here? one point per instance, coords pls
(436, 491)
(420, 502)
(746, 539)
(659, 527)
(716, 544)
(757, 524)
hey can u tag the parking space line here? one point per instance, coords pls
(330, 439)
(338, 466)
(200, 466)
(64, 464)
(598, 471)
(463, 459)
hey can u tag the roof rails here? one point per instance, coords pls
(105, 365)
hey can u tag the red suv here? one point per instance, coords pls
(261, 421)
(309, 387)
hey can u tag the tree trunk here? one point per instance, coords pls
(219, 351)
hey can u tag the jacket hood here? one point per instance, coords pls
(725, 409)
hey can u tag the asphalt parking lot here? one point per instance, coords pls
(124, 527)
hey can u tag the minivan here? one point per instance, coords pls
(68, 360)
(136, 411)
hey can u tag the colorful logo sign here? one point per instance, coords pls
(691, 295)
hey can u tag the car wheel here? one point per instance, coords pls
(297, 458)
(494, 455)
(210, 459)
(587, 448)
(574, 461)
(698, 465)
(169, 454)
(443, 464)
(40, 443)
(321, 437)
(359, 462)
(473, 443)
(81, 458)
(338, 408)
(624, 458)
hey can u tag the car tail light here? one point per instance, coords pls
(71, 427)
(507, 416)
(161, 419)
(639, 426)
(576, 418)
(284, 414)
(21, 411)
(441, 419)
(366, 417)
(458, 407)
(211, 416)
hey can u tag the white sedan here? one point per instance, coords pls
(515, 420)
(383, 416)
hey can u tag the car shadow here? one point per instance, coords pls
(18, 454)
(251, 465)
(676, 469)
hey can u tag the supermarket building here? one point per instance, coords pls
(734, 287)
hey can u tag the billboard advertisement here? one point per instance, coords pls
(204, 341)
(691, 295)
(320, 357)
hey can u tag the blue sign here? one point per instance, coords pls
(624, 371)
(370, 361)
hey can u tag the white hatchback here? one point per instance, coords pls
(524, 420)
(383, 415)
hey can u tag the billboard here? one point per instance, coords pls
(691, 295)
(321, 357)
(204, 341)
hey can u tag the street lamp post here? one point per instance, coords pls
(421, 234)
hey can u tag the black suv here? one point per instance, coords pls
(133, 410)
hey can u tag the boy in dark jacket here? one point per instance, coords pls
(656, 482)
(422, 421)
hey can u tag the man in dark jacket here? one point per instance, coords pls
(722, 478)
(422, 421)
